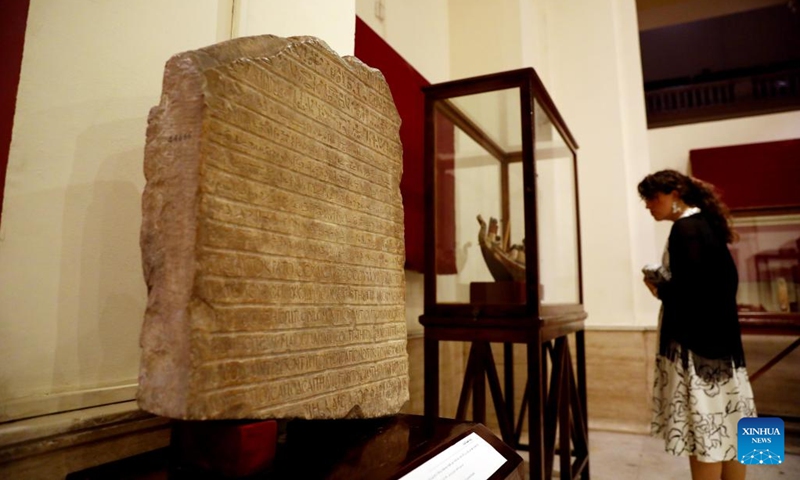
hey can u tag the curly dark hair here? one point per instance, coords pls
(695, 193)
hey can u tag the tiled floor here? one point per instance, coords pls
(623, 456)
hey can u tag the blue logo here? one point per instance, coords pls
(760, 441)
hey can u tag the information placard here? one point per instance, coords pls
(471, 458)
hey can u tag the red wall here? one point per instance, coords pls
(752, 176)
(13, 18)
(406, 85)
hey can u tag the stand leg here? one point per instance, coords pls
(467, 384)
(564, 429)
(521, 421)
(508, 372)
(580, 357)
(504, 415)
(535, 410)
(479, 384)
(431, 352)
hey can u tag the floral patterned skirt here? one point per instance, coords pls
(696, 409)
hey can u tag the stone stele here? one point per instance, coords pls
(272, 237)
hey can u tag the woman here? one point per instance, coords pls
(701, 388)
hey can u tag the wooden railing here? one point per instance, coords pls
(716, 100)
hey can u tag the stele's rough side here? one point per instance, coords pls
(272, 237)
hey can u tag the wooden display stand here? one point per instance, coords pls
(559, 406)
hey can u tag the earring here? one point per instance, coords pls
(675, 207)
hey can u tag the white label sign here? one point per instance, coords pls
(471, 458)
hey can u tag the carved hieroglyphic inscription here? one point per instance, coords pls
(272, 237)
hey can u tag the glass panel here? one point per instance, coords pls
(557, 214)
(767, 256)
(496, 114)
(474, 135)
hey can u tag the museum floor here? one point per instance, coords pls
(613, 456)
(623, 456)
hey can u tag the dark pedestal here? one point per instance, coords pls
(498, 293)
(232, 449)
(383, 449)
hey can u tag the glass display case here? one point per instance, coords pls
(767, 255)
(502, 201)
(503, 257)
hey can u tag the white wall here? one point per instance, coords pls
(535, 37)
(485, 37)
(416, 29)
(72, 295)
(332, 21)
(595, 81)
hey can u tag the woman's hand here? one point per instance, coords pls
(651, 287)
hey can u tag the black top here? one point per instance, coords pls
(699, 301)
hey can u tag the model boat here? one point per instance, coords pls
(506, 262)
